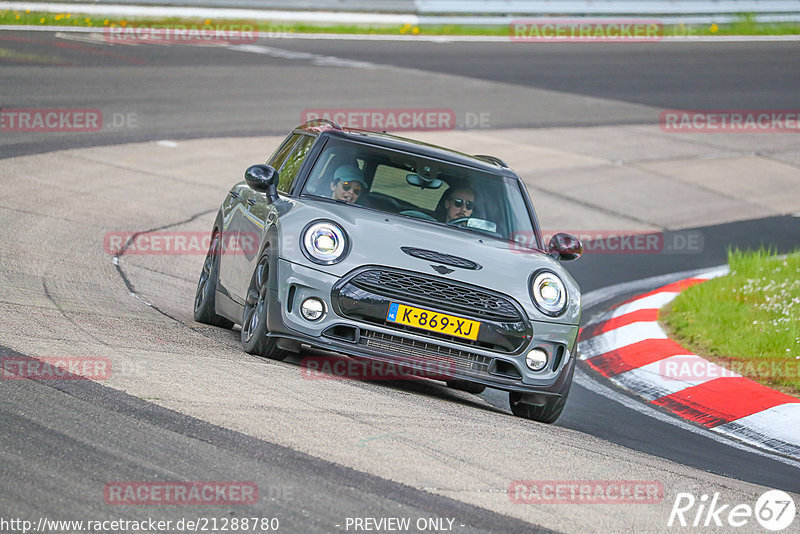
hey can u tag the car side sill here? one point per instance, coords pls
(228, 308)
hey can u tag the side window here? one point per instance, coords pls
(291, 166)
(332, 157)
(279, 156)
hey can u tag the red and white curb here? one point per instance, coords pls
(628, 346)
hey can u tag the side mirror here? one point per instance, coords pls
(565, 247)
(263, 178)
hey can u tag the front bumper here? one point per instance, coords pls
(365, 337)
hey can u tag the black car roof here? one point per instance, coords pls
(486, 163)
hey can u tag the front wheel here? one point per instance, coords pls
(548, 413)
(255, 335)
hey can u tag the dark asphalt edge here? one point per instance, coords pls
(266, 452)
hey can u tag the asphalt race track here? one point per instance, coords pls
(180, 124)
(184, 91)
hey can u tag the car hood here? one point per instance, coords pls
(378, 238)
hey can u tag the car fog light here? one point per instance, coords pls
(536, 359)
(312, 309)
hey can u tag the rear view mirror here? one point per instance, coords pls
(425, 183)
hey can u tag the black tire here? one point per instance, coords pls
(464, 385)
(206, 292)
(549, 413)
(255, 339)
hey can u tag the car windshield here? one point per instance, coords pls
(415, 186)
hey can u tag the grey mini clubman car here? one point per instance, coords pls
(386, 249)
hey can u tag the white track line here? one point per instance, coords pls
(620, 337)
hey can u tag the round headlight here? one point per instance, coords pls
(549, 293)
(324, 242)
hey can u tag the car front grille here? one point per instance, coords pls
(423, 351)
(460, 298)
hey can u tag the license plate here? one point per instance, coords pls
(433, 321)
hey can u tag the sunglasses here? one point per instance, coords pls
(350, 185)
(460, 202)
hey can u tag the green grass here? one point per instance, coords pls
(747, 321)
(745, 25)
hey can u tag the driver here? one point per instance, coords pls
(459, 203)
(348, 183)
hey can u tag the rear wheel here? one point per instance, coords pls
(464, 385)
(255, 339)
(206, 293)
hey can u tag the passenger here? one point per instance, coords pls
(348, 183)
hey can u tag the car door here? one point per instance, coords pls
(257, 210)
(234, 209)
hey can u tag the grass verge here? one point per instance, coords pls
(747, 321)
(745, 25)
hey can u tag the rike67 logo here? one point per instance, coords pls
(774, 510)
